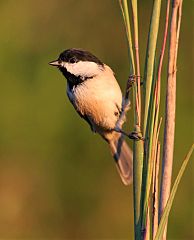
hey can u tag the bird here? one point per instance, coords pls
(96, 96)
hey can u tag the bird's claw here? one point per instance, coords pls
(131, 80)
(135, 136)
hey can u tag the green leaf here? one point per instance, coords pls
(125, 13)
(150, 58)
(167, 209)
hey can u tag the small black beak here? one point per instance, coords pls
(55, 63)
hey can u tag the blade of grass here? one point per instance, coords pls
(150, 56)
(149, 110)
(155, 193)
(153, 133)
(146, 234)
(137, 181)
(167, 209)
(136, 46)
(162, 52)
(148, 164)
(125, 13)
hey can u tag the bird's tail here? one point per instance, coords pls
(123, 156)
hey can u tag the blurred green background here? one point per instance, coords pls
(57, 179)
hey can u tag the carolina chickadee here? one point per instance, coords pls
(96, 96)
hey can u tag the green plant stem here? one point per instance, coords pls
(138, 146)
(125, 13)
(155, 193)
(136, 46)
(150, 56)
(149, 112)
(137, 181)
(148, 163)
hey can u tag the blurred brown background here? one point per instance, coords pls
(57, 179)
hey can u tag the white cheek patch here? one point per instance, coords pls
(83, 68)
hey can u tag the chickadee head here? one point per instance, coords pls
(78, 65)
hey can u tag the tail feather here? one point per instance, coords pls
(123, 156)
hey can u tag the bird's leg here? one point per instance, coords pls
(125, 107)
(133, 135)
(123, 111)
(131, 80)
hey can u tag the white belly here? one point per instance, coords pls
(100, 99)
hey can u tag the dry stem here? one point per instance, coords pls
(155, 193)
(170, 110)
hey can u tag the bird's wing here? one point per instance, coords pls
(85, 117)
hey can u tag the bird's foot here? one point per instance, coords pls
(135, 136)
(131, 80)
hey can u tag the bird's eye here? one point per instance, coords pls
(72, 60)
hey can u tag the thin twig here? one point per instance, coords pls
(146, 234)
(162, 54)
(136, 47)
(178, 31)
(155, 193)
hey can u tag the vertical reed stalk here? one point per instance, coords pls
(138, 148)
(149, 220)
(149, 111)
(169, 131)
(136, 46)
(125, 13)
(137, 181)
(150, 56)
(138, 145)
